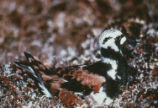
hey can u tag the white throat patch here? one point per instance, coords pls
(122, 40)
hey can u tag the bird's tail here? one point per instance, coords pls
(33, 67)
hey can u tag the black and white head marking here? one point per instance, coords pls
(110, 41)
(109, 38)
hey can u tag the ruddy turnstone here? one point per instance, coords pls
(101, 80)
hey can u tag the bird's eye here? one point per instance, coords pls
(117, 40)
(120, 40)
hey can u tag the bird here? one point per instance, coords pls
(102, 79)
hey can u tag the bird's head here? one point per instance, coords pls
(111, 43)
(112, 39)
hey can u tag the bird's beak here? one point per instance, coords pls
(128, 46)
(130, 41)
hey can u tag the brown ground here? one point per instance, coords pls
(65, 32)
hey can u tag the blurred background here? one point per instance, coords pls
(49, 28)
(65, 32)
